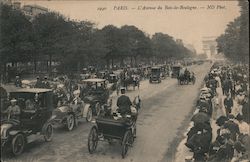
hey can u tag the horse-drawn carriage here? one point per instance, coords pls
(130, 80)
(186, 77)
(116, 127)
(175, 70)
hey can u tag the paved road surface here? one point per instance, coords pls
(165, 106)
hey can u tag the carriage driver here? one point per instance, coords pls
(124, 103)
(13, 110)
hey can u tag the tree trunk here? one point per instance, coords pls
(131, 61)
(121, 62)
(135, 58)
(50, 64)
(35, 64)
(112, 62)
(4, 72)
(108, 63)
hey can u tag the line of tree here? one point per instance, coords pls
(75, 44)
(234, 43)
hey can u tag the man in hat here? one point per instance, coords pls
(46, 83)
(228, 104)
(18, 82)
(39, 83)
(246, 109)
(124, 103)
(13, 110)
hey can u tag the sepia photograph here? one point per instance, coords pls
(124, 81)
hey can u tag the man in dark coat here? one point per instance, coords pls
(46, 83)
(233, 127)
(227, 85)
(39, 83)
(246, 110)
(228, 103)
(18, 82)
(124, 103)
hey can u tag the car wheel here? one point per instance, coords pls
(92, 140)
(126, 142)
(18, 144)
(97, 108)
(70, 122)
(48, 134)
(89, 115)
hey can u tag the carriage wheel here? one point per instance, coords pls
(18, 144)
(70, 122)
(134, 134)
(92, 140)
(89, 115)
(48, 133)
(126, 142)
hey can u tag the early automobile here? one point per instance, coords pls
(176, 70)
(69, 114)
(36, 107)
(97, 94)
(155, 74)
(116, 127)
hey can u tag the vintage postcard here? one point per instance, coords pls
(124, 80)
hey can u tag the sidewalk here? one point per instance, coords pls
(182, 151)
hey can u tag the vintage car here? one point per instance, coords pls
(175, 71)
(163, 71)
(69, 114)
(36, 107)
(155, 75)
(97, 94)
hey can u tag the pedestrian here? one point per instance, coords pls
(226, 86)
(46, 83)
(216, 107)
(228, 104)
(39, 83)
(246, 109)
(233, 127)
(18, 81)
(243, 126)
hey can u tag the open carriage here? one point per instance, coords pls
(108, 129)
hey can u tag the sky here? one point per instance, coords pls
(190, 25)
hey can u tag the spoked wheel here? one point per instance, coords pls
(70, 122)
(97, 108)
(48, 134)
(92, 140)
(134, 134)
(126, 142)
(18, 144)
(89, 115)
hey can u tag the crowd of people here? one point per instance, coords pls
(223, 105)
